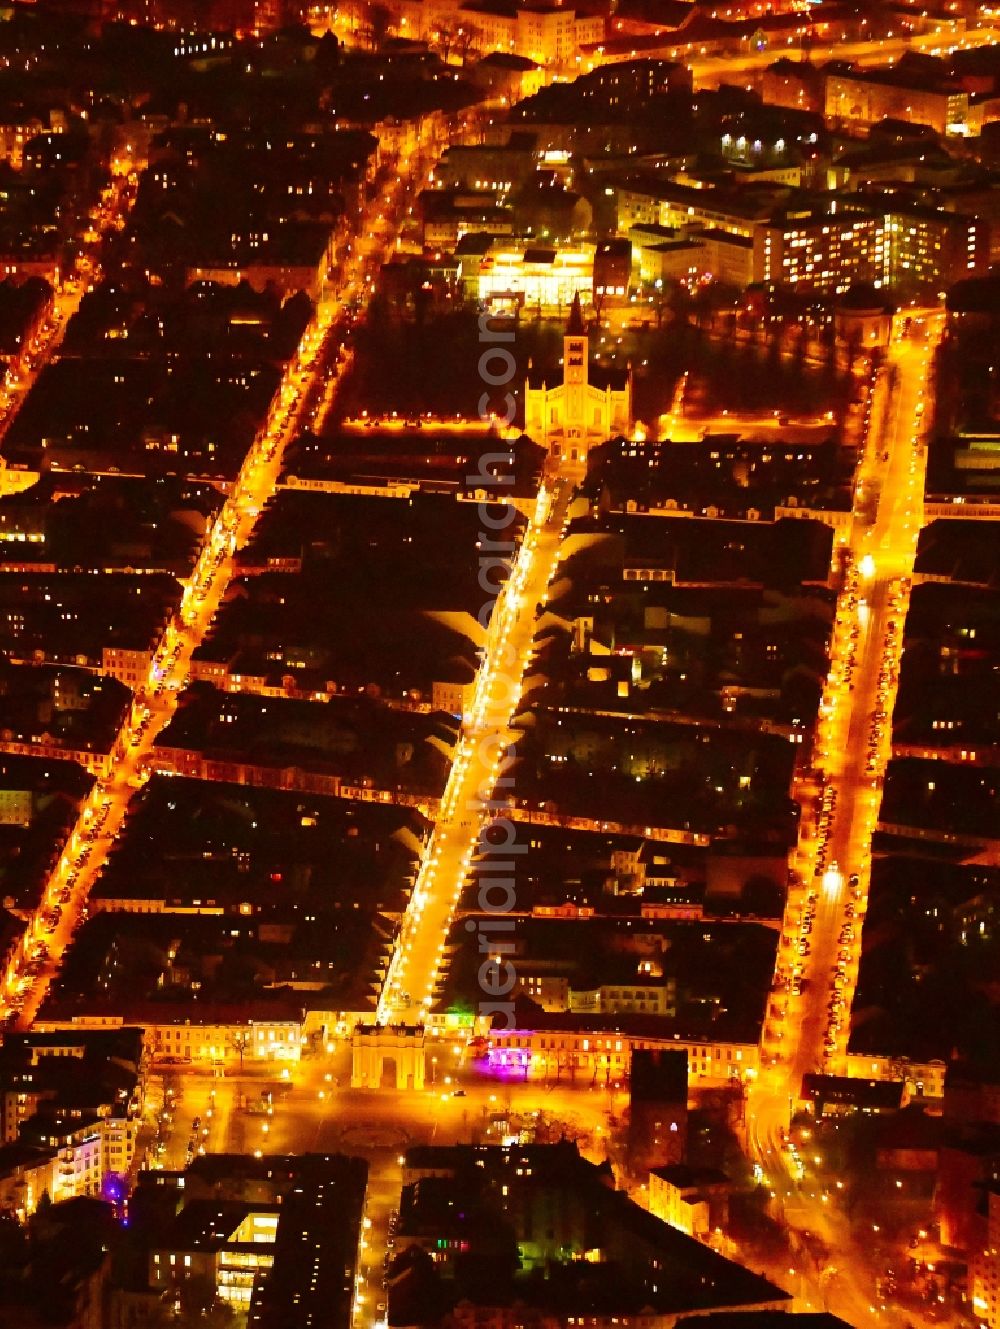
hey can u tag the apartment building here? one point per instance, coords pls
(864, 97)
(550, 36)
(984, 1267)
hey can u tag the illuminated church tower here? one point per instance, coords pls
(579, 414)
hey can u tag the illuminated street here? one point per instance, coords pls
(410, 983)
(306, 377)
(108, 216)
(709, 70)
(852, 749)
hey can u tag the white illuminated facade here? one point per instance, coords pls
(537, 276)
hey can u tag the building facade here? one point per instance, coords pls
(984, 1267)
(603, 1055)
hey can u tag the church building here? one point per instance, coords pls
(590, 406)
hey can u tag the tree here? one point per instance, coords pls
(703, 304)
(196, 1296)
(13, 1241)
(416, 1292)
(239, 1042)
(446, 37)
(680, 302)
(492, 1257)
(762, 897)
(853, 348)
(200, 1308)
(467, 39)
(378, 20)
(801, 689)
(831, 361)
(218, 1316)
(328, 53)
(159, 1316)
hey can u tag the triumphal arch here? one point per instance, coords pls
(387, 1056)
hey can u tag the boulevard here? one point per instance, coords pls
(825, 914)
(309, 373)
(464, 814)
